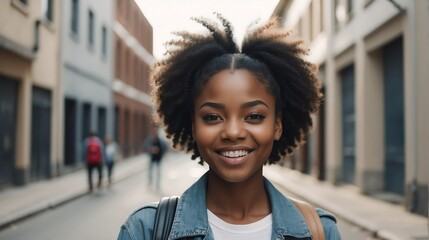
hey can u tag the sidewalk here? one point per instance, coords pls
(384, 220)
(21, 202)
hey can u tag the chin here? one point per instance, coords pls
(232, 176)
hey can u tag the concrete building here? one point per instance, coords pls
(372, 131)
(29, 89)
(86, 71)
(133, 55)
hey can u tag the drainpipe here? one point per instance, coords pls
(413, 32)
(36, 35)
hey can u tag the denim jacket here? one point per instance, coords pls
(190, 221)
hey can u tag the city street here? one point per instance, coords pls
(85, 82)
(100, 215)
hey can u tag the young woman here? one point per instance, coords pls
(235, 109)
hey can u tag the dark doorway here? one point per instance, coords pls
(101, 122)
(394, 116)
(70, 132)
(348, 123)
(86, 120)
(116, 124)
(40, 134)
(8, 106)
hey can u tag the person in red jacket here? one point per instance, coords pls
(93, 154)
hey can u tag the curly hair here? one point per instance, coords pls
(266, 52)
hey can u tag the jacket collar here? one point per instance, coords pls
(191, 214)
(287, 219)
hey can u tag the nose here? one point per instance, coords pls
(233, 130)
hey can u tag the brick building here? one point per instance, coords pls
(133, 36)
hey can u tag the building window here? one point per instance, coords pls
(128, 11)
(119, 5)
(118, 59)
(21, 5)
(126, 65)
(349, 6)
(91, 28)
(48, 10)
(104, 41)
(343, 12)
(75, 16)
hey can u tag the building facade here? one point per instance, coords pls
(372, 129)
(29, 39)
(86, 71)
(133, 36)
(68, 68)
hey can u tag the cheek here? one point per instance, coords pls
(204, 135)
(264, 133)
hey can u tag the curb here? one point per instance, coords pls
(61, 200)
(373, 229)
(34, 210)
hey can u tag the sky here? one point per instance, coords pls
(167, 16)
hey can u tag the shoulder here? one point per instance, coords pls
(329, 223)
(139, 225)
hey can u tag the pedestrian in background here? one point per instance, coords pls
(93, 153)
(112, 153)
(156, 148)
(237, 109)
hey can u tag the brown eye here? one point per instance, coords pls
(255, 117)
(211, 118)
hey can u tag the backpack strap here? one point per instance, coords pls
(164, 217)
(311, 218)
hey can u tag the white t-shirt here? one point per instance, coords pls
(259, 230)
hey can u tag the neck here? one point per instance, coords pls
(238, 203)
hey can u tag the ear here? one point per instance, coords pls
(278, 127)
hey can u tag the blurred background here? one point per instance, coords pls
(74, 66)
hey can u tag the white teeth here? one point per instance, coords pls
(235, 154)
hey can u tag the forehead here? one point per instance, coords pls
(233, 85)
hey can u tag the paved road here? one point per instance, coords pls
(99, 215)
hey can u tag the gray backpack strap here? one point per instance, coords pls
(164, 217)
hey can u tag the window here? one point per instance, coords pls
(48, 10)
(104, 41)
(75, 16)
(343, 12)
(118, 59)
(126, 65)
(128, 9)
(90, 28)
(21, 6)
(349, 6)
(119, 5)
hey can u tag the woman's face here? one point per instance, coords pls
(235, 124)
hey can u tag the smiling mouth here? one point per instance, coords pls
(234, 154)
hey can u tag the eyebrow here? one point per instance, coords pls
(244, 105)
